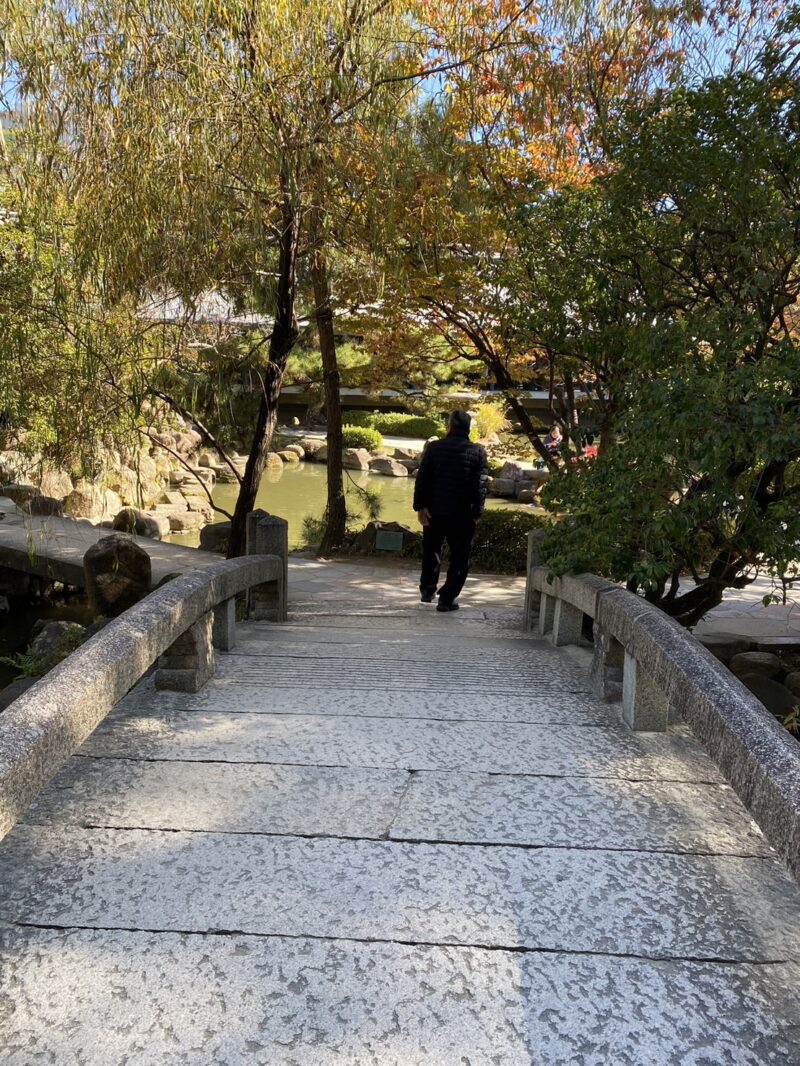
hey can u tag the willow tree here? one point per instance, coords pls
(187, 139)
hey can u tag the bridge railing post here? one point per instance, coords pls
(644, 705)
(567, 624)
(608, 662)
(224, 628)
(547, 610)
(189, 662)
(269, 535)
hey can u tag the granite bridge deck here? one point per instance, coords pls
(54, 547)
(386, 836)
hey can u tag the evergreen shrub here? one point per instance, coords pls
(361, 437)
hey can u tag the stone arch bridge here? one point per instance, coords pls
(547, 829)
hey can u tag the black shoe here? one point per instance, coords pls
(446, 606)
(426, 598)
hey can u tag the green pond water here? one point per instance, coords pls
(300, 490)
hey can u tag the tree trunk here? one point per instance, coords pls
(506, 384)
(336, 511)
(284, 334)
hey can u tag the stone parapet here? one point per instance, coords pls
(663, 674)
(44, 726)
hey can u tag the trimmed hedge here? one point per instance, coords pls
(400, 425)
(361, 437)
(396, 423)
(357, 418)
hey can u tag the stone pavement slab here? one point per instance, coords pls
(412, 744)
(652, 905)
(55, 547)
(419, 674)
(270, 698)
(570, 812)
(306, 800)
(410, 806)
(288, 1002)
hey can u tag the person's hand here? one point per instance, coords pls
(424, 517)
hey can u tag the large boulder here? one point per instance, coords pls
(526, 495)
(792, 682)
(225, 475)
(214, 537)
(499, 486)
(88, 500)
(186, 521)
(778, 699)
(763, 663)
(126, 483)
(118, 574)
(163, 437)
(174, 499)
(206, 475)
(312, 448)
(43, 506)
(536, 475)
(387, 467)
(512, 470)
(140, 523)
(522, 487)
(145, 467)
(18, 493)
(55, 482)
(406, 453)
(298, 450)
(187, 442)
(201, 504)
(289, 455)
(54, 642)
(355, 459)
(724, 646)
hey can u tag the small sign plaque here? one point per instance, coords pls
(387, 541)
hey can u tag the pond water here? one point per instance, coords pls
(300, 490)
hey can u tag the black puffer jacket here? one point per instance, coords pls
(452, 477)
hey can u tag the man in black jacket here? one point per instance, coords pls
(449, 496)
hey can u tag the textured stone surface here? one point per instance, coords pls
(314, 913)
(755, 662)
(237, 697)
(118, 575)
(569, 812)
(237, 1000)
(410, 744)
(49, 722)
(208, 796)
(703, 907)
(420, 670)
(757, 755)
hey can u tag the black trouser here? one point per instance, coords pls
(459, 533)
